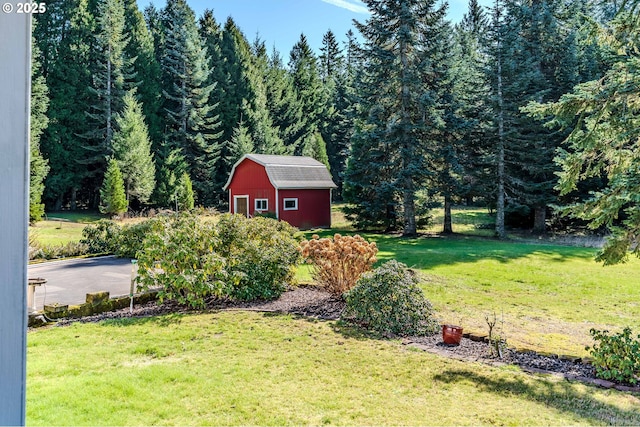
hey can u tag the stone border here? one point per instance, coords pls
(96, 303)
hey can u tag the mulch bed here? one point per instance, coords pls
(314, 302)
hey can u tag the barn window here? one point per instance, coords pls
(262, 204)
(290, 204)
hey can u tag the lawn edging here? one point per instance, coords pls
(96, 303)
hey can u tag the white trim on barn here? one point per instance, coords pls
(290, 199)
(260, 209)
(235, 203)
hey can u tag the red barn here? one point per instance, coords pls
(295, 189)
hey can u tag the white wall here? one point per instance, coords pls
(15, 48)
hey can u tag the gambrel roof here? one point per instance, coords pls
(290, 172)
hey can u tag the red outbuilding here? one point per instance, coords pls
(295, 189)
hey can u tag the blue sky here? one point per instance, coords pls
(280, 22)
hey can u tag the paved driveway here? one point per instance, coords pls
(69, 281)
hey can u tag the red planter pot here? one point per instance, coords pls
(451, 335)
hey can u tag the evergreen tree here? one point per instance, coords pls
(331, 58)
(172, 167)
(192, 123)
(113, 200)
(496, 51)
(140, 51)
(185, 193)
(309, 92)
(39, 167)
(240, 144)
(108, 85)
(399, 101)
(282, 103)
(602, 117)
(316, 148)
(132, 151)
(68, 79)
(475, 156)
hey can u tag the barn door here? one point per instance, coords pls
(241, 205)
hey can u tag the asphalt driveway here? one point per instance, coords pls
(68, 281)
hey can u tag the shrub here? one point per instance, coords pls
(69, 249)
(101, 237)
(338, 263)
(131, 238)
(261, 251)
(389, 301)
(617, 356)
(180, 257)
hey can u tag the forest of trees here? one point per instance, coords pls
(417, 112)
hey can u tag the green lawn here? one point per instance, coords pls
(59, 228)
(52, 232)
(548, 296)
(239, 368)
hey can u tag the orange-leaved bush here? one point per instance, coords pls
(338, 263)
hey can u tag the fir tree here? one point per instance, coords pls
(185, 193)
(39, 167)
(108, 86)
(132, 151)
(282, 103)
(140, 51)
(68, 79)
(172, 167)
(331, 58)
(192, 123)
(240, 144)
(316, 148)
(399, 99)
(309, 92)
(602, 118)
(113, 200)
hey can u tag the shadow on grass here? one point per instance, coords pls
(161, 320)
(425, 252)
(560, 395)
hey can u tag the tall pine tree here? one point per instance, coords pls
(191, 119)
(399, 102)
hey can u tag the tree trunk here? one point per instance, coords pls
(58, 204)
(447, 227)
(539, 221)
(410, 228)
(72, 203)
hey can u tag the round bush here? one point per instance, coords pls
(389, 301)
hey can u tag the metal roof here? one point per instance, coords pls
(290, 172)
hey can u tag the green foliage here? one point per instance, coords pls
(101, 237)
(113, 200)
(193, 259)
(184, 193)
(601, 117)
(38, 166)
(53, 251)
(262, 252)
(180, 257)
(130, 239)
(132, 150)
(616, 357)
(400, 112)
(191, 119)
(388, 300)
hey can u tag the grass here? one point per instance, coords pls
(59, 228)
(240, 368)
(548, 296)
